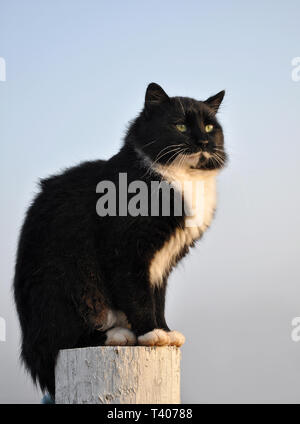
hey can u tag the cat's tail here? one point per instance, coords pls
(40, 359)
(48, 324)
(41, 365)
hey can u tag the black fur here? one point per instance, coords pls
(73, 266)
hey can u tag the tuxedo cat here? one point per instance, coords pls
(83, 278)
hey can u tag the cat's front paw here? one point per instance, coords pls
(156, 337)
(119, 336)
(176, 338)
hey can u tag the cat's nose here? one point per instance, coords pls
(203, 141)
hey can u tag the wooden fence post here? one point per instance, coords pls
(115, 375)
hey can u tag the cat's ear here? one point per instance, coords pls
(214, 101)
(155, 95)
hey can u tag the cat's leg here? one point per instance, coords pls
(160, 298)
(160, 335)
(135, 297)
(176, 338)
(142, 317)
(115, 336)
(120, 334)
(156, 337)
(106, 326)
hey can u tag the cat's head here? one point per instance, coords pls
(180, 130)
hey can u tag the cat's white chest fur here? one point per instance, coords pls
(199, 192)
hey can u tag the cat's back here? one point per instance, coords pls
(66, 195)
(61, 214)
(83, 176)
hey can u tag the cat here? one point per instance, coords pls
(82, 279)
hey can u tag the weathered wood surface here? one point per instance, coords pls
(115, 375)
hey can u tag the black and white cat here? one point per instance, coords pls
(82, 279)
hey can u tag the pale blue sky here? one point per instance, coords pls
(77, 72)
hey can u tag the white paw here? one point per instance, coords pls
(176, 338)
(119, 336)
(155, 337)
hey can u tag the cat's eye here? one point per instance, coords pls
(209, 128)
(181, 127)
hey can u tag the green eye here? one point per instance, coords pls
(209, 128)
(181, 127)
